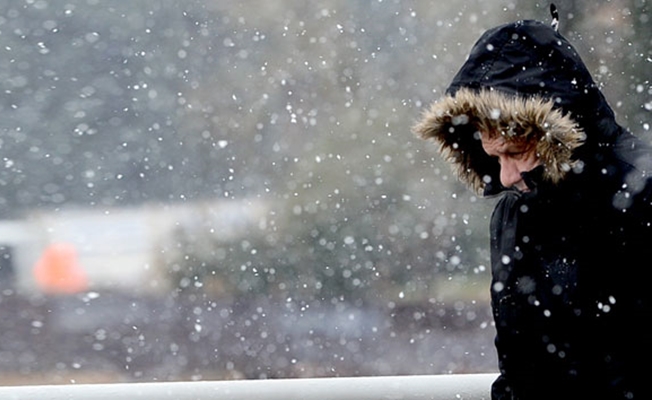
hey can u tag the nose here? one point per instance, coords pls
(510, 174)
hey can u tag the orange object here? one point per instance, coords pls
(58, 270)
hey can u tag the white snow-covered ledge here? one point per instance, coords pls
(422, 387)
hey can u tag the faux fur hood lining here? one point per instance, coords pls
(455, 123)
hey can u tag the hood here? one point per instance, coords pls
(522, 80)
(456, 121)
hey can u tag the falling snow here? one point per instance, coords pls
(240, 189)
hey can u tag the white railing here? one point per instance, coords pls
(421, 387)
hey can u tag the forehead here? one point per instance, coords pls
(497, 144)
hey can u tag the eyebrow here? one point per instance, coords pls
(516, 146)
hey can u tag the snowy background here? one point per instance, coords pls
(240, 188)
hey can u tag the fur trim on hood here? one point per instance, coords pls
(455, 123)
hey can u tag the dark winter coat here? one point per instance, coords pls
(570, 258)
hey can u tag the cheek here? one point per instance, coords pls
(528, 163)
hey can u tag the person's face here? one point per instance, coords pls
(515, 157)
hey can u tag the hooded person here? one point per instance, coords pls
(524, 122)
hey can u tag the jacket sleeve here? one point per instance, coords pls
(500, 389)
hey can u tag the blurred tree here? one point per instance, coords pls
(636, 64)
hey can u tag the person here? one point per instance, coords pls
(524, 123)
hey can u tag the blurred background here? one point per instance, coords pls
(204, 189)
